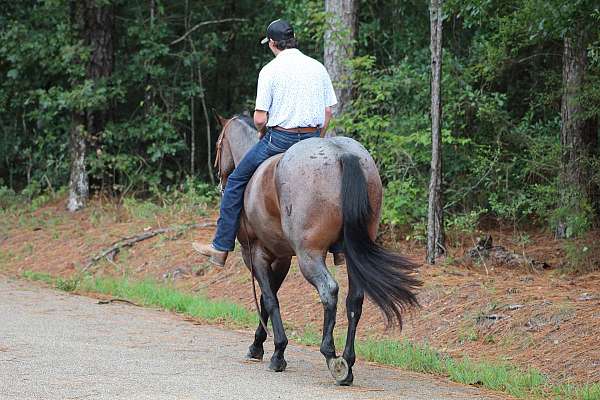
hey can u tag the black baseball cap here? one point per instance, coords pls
(278, 30)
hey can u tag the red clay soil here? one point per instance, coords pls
(545, 319)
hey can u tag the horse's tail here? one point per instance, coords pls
(385, 276)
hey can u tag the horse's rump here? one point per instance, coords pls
(296, 198)
(309, 186)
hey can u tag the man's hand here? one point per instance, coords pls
(260, 121)
(261, 132)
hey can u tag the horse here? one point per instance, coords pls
(299, 203)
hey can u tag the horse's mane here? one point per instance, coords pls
(247, 120)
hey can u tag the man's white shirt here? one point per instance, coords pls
(294, 89)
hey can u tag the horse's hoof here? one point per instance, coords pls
(255, 354)
(277, 365)
(346, 382)
(339, 369)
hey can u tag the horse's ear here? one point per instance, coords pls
(220, 120)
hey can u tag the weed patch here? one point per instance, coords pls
(582, 256)
(468, 334)
(66, 285)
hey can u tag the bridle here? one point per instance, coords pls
(217, 164)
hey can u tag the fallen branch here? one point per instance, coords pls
(219, 21)
(118, 301)
(129, 241)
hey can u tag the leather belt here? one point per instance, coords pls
(308, 129)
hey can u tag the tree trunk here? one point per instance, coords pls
(93, 26)
(148, 89)
(204, 109)
(192, 128)
(186, 20)
(208, 129)
(578, 136)
(435, 223)
(78, 182)
(99, 27)
(340, 36)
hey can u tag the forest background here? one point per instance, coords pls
(144, 110)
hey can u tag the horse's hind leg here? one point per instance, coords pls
(279, 270)
(312, 265)
(354, 303)
(269, 302)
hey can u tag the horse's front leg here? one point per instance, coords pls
(279, 270)
(256, 351)
(314, 270)
(354, 303)
(269, 283)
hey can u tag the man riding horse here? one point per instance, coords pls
(293, 102)
(303, 202)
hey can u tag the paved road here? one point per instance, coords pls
(59, 346)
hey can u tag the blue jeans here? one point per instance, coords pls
(274, 142)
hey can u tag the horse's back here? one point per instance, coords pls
(313, 165)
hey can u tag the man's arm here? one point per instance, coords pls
(260, 122)
(328, 115)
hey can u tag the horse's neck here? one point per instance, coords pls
(241, 141)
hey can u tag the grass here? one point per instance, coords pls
(39, 276)
(585, 392)
(505, 378)
(308, 336)
(150, 293)
(401, 354)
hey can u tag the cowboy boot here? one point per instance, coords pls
(215, 256)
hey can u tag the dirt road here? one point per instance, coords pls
(59, 346)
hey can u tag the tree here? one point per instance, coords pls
(93, 26)
(435, 224)
(578, 136)
(78, 181)
(340, 36)
(502, 81)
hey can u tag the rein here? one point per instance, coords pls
(218, 166)
(262, 322)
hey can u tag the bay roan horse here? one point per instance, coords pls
(300, 203)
